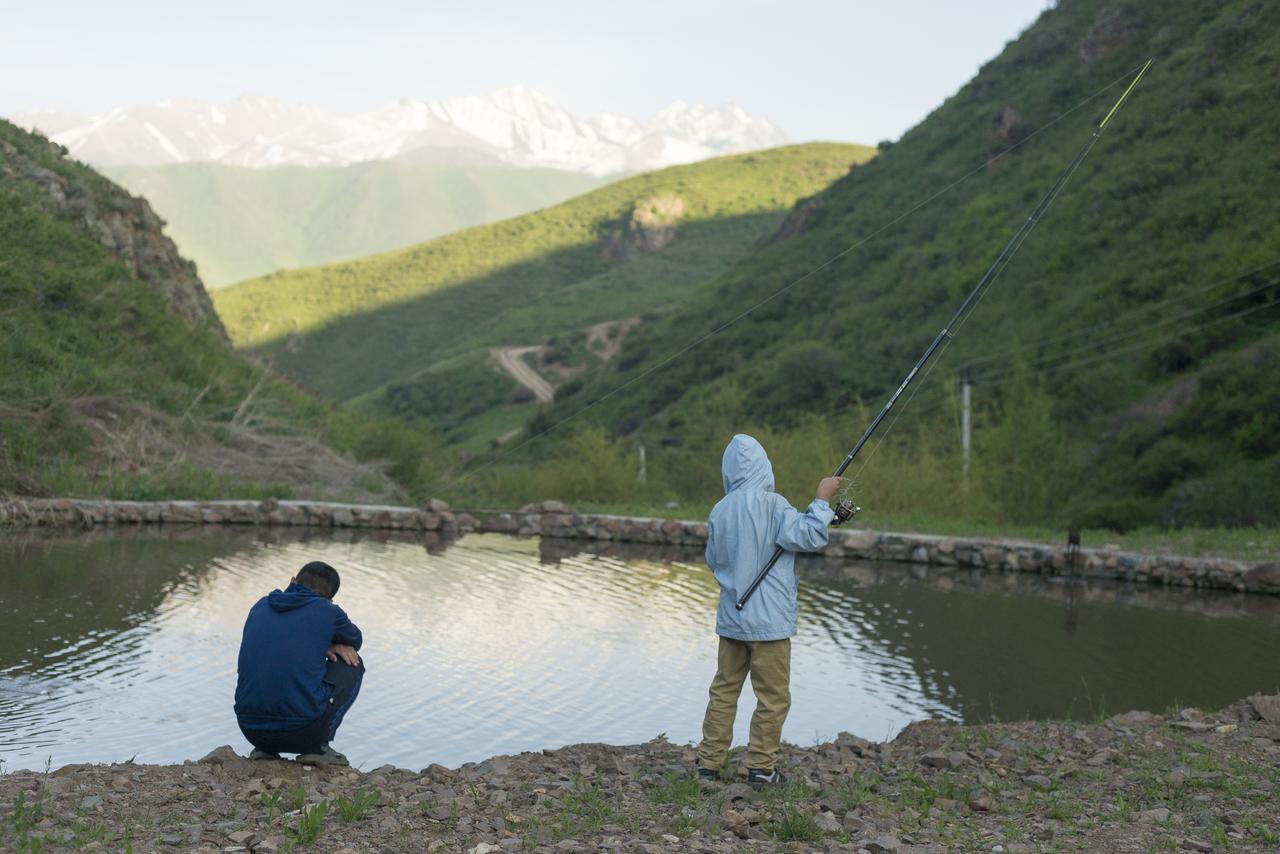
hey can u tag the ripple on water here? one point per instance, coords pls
(487, 648)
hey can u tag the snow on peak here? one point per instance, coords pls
(514, 124)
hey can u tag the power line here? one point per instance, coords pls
(1040, 369)
(1125, 317)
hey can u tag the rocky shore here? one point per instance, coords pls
(552, 519)
(1134, 782)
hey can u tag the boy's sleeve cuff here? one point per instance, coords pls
(822, 510)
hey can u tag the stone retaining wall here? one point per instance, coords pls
(556, 520)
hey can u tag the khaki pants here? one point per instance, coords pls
(769, 663)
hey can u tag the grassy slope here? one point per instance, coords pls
(105, 391)
(346, 329)
(236, 223)
(1176, 424)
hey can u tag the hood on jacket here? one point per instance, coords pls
(294, 596)
(745, 464)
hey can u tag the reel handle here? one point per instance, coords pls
(844, 511)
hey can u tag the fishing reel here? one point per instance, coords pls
(845, 511)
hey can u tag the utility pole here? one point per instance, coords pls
(641, 476)
(964, 426)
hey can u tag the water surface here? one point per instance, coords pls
(123, 644)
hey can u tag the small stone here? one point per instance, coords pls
(69, 770)
(936, 759)
(484, 848)
(827, 822)
(980, 801)
(1154, 816)
(1196, 845)
(243, 837)
(220, 756)
(1038, 781)
(739, 792)
(853, 822)
(736, 823)
(882, 843)
(1267, 707)
(1102, 757)
(270, 845)
(671, 838)
(91, 802)
(1129, 718)
(1192, 726)
(1175, 779)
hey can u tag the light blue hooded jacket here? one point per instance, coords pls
(743, 529)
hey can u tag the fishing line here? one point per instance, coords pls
(1128, 316)
(847, 509)
(466, 476)
(1003, 263)
(1137, 333)
(1040, 369)
(1151, 343)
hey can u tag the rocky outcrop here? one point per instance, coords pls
(554, 519)
(650, 226)
(34, 168)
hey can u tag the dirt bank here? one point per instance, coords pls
(1134, 782)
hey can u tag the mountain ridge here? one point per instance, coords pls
(514, 125)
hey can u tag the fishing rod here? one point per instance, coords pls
(846, 509)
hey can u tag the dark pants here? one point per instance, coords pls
(343, 683)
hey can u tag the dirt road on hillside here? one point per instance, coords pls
(509, 359)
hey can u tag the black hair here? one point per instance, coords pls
(320, 577)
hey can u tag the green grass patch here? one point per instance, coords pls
(678, 789)
(794, 826)
(357, 806)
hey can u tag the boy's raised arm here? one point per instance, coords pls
(807, 531)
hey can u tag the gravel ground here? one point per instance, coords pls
(1134, 782)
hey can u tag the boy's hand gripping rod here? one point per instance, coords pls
(846, 509)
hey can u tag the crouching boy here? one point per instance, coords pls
(299, 671)
(742, 532)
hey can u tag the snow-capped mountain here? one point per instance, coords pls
(514, 125)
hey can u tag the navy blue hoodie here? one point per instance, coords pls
(283, 658)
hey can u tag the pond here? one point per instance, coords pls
(123, 643)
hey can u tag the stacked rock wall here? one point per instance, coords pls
(553, 519)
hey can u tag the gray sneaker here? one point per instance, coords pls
(258, 754)
(325, 755)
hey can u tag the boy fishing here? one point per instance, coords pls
(299, 670)
(743, 530)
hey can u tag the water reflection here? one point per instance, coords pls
(123, 643)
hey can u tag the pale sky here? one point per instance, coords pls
(821, 69)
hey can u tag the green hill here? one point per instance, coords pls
(116, 378)
(418, 323)
(236, 223)
(1127, 365)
